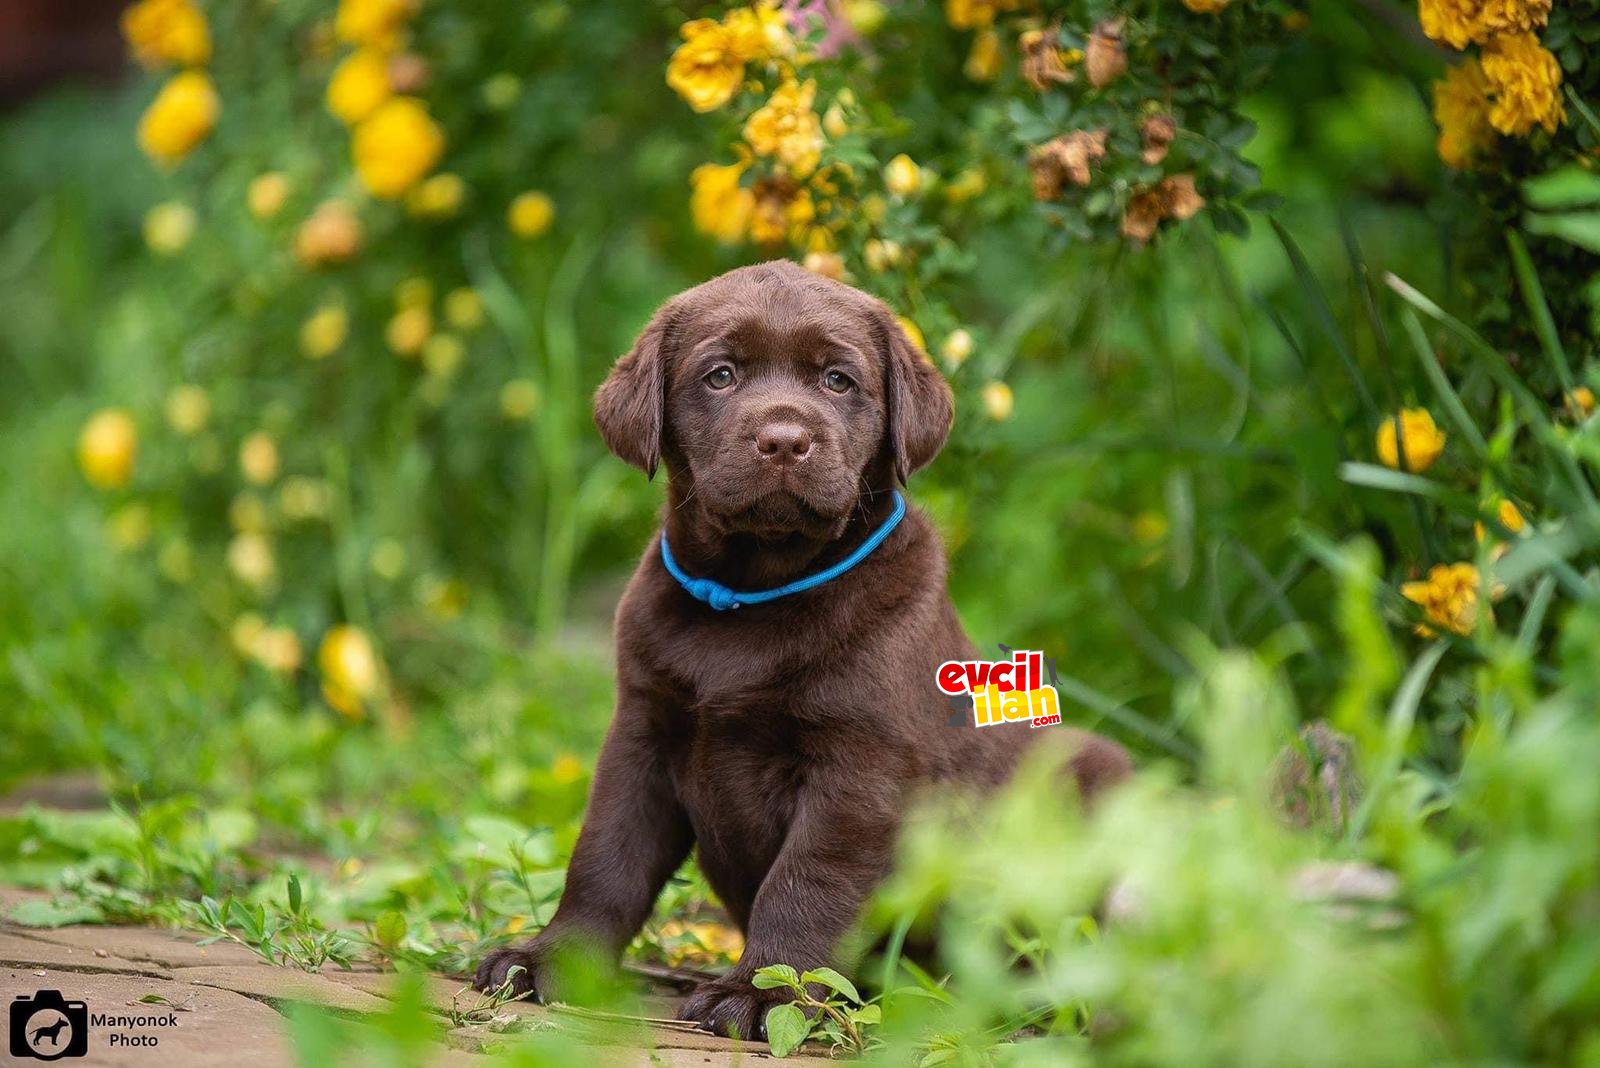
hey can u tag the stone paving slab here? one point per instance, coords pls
(22, 952)
(168, 949)
(220, 1028)
(279, 986)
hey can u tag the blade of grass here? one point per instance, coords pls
(1533, 616)
(1372, 476)
(1323, 314)
(1125, 717)
(1543, 323)
(1583, 109)
(1397, 731)
(1448, 397)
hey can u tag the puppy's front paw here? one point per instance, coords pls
(525, 967)
(732, 1008)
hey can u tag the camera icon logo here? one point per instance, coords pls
(48, 1027)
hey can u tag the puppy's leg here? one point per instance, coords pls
(839, 846)
(634, 837)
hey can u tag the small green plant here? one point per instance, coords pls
(280, 935)
(841, 1015)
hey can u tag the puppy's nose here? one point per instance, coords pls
(783, 443)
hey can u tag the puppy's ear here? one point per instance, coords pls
(630, 405)
(920, 406)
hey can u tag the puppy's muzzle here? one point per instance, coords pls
(784, 444)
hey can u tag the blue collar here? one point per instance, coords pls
(720, 598)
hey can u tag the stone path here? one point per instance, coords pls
(222, 1005)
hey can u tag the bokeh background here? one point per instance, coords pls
(309, 547)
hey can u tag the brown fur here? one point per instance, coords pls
(783, 741)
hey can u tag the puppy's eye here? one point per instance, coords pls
(720, 378)
(837, 381)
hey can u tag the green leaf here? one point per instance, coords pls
(390, 928)
(774, 976)
(49, 914)
(833, 981)
(1562, 188)
(787, 1027)
(1581, 228)
(869, 1015)
(296, 899)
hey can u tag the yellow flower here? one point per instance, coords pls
(565, 769)
(706, 69)
(244, 631)
(277, 649)
(702, 943)
(251, 560)
(408, 331)
(305, 498)
(107, 446)
(531, 214)
(258, 458)
(247, 513)
(374, 23)
(1424, 441)
(881, 254)
(1581, 401)
(162, 32)
(188, 410)
(986, 59)
(442, 355)
(129, 527)
(437, 198)
(351, 673)
(827, 264)
(1459, 23)
(720, 206)
(1448, 596)
(413, 293)
(975, 14)
(998, 401)
(464, 308)
(781, 210)
(324, 331)
(396, 146)
(1207, 7)
(902, 177)
(181, 116)
(965, 186)
(168, 227)
(359, 85)
(1510, 517)
(956, 348)
(1524, 85)
(756, 33)
(787, 128)
(1461, 109)
(913, 333)
(331, 235)
(519, 398)
(267, 194)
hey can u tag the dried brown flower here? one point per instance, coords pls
(1042, 64)
(1174, 197)
(1065, 159)
(1157, 132)
(1105, 59)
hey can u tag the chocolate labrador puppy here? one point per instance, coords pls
(784, 738)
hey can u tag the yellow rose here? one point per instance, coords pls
(258, 458)
(720, 206)
(107, 446)
(787, 128)
(1459, 23)
(706, 69)
(464, 308)
(188, 409)
(183, 113)
(168, 227)
(1461, 110)
(396, 146)
(351, 672)
(902, 177)
(437, 198)
(408, 331)
(1448, 596)
(374, 23)
(359, 85)
(162, 32)
(781, 210)
(759, 32)
(531, 214)
(1524, 82)
(998, 401)
(324, 331)
(267, 194)
(1424, 441)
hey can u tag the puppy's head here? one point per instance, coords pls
(779, 396)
